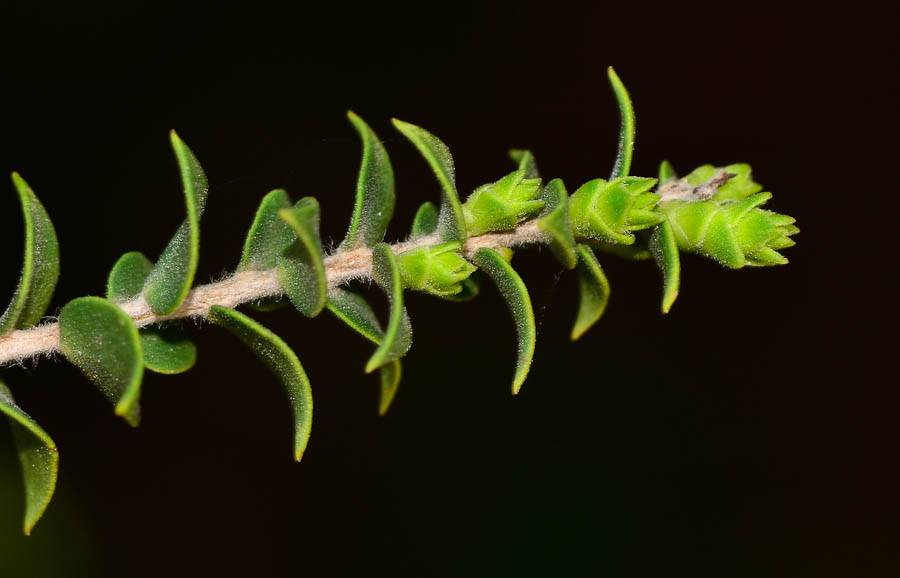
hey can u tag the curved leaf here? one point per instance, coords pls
(516, 296)
(165, 350)
(301, 269)
(38, 456)
(452, 223)
(353, 310)
(398, 335)
(40, 265)
(425, 222)
(280, 360)
(526, 162)
(127, 277)
(170, 281)
(100, 339)
(374, 191)
(554, 221)
(665, 252)
(268, 235)
(594, 289)
(390, 380)
(626, 130)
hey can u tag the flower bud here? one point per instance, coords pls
(610, 211)
(436, 269)
(502, 205)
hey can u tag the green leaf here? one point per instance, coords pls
(100, 339)
(501, 205)
(390, 380)
(516, 296)
(666, 173)
(38, 456)
(425, 222)
(40, 265)
(555, 223)
(353, 310)
(280, 360)
(127, 277)
(626, 130)
(451, 222)
(526, 162)
(301, 269)
(171, 279)
(594, 289)
(398, 335)
(269, 235)
(374, 191)
(665, 252)
(167, 351)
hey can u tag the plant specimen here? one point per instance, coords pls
(452, 249)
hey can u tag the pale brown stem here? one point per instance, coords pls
(246, 286)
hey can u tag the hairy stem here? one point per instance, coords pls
(340, 267)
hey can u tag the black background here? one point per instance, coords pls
(753, 431)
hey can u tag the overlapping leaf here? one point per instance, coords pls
(280, 360)
(165, 349)
(425, 223)
(514, 292)
(555, 223)
(40, 265)
(352, 309)
(374, 191)
(170, 281)
(398, 332)
(451, 222)
(100, 339)
(38, 456)
(301, 269)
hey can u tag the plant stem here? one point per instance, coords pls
(247, 286)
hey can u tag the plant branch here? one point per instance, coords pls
(246, 286)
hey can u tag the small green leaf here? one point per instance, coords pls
(594, 289)
(280, 360)
(626, 130)
(167, 351)
(268, 236)
(353, 310)
(526, 162)
(100, 339)
(301, 269)
(38, 456)
(516, 296)
(398, 335)
(665, 252)
(555, 223)
(451, 222)
(425, 222)
(127, 277)
(666, 173)
(390, 380)
(170, 281)
(40, 265)
(374, 191)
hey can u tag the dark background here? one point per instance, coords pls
(753, 431)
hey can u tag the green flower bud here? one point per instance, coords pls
(502, 205)
(734, 233)
(610, 211)
(437, 269)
